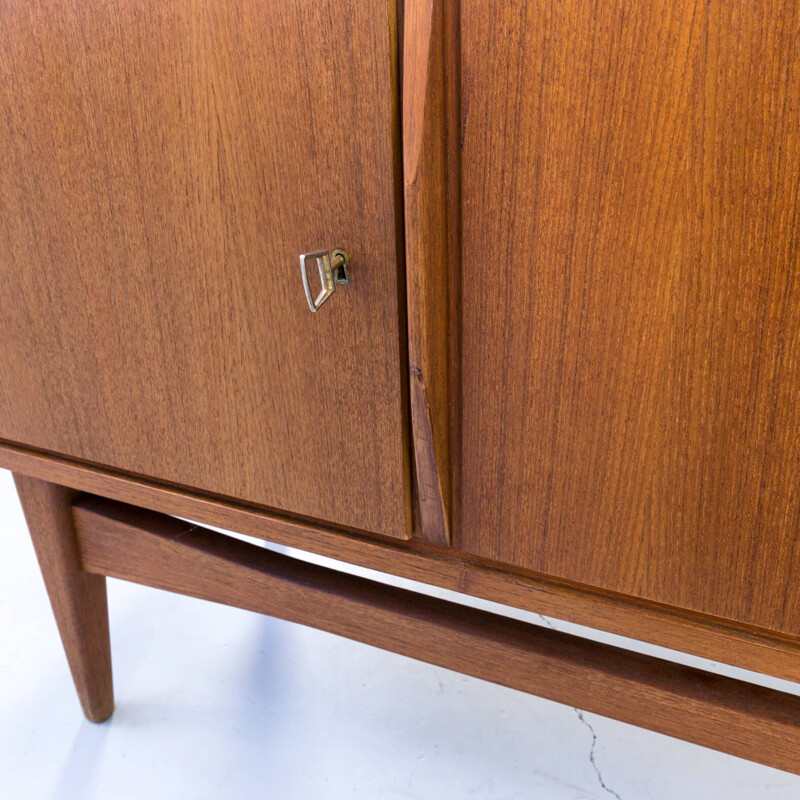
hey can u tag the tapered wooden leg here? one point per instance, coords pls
(78, 598)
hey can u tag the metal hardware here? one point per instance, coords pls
(332, 273)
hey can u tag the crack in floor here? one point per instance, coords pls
(592, 757)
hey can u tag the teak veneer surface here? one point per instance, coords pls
(601, 207)
(162, 166)
(631, 298)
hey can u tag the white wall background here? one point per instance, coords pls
(214, 702)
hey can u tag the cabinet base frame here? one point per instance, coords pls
(743, 719)
(754, 649)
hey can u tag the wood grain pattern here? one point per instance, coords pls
(78, 599)
(631, 351)
(739, 718)
(161, 169)
(718, 640)
(428, 263)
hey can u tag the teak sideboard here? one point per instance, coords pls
(503, 297)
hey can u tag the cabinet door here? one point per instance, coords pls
(631, 298)
(162, 167)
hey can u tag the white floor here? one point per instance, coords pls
(218, 703)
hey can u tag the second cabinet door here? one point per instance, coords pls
(631, 351)
(162, 167)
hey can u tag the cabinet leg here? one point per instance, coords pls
(78, 598)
